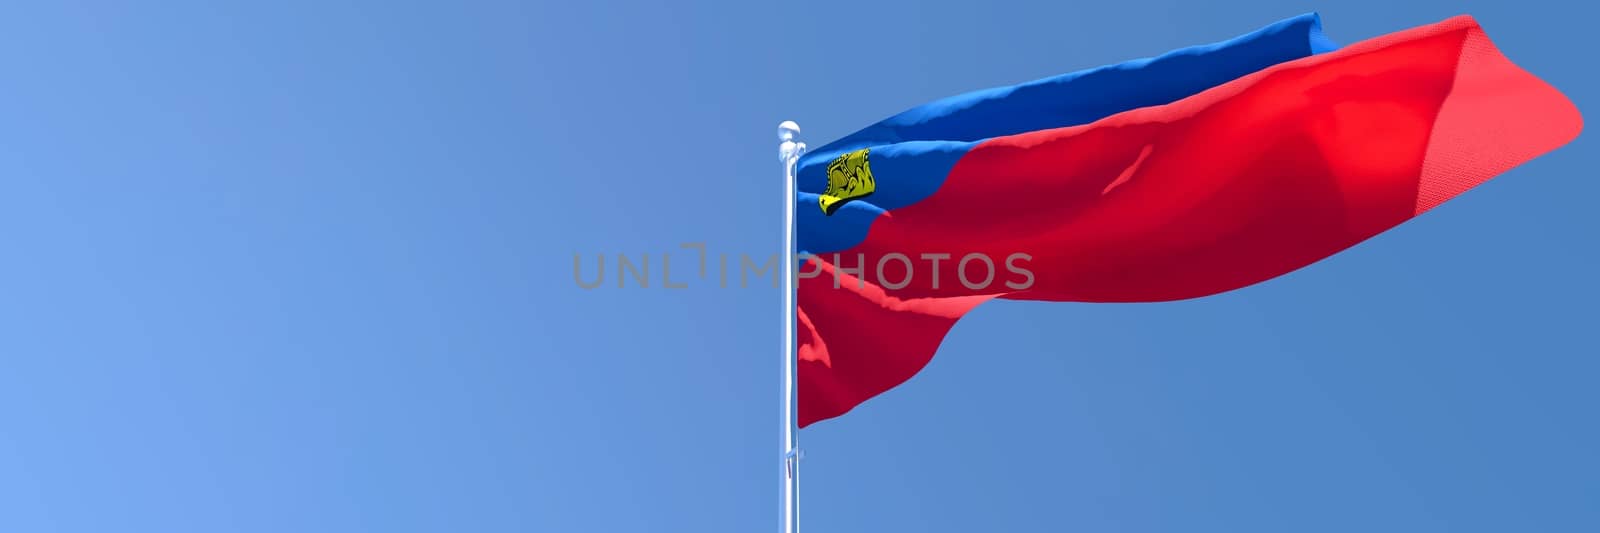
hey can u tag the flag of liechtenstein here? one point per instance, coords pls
(1200, 171)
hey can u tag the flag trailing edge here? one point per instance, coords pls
(1200, 171)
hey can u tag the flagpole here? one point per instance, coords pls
(789, 151)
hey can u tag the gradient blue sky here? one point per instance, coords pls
(306, 266)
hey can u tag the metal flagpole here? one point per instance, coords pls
(789, 151)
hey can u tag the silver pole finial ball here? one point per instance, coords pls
(788, 130)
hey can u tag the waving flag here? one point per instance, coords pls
(1200, 171)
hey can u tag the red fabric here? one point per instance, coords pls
(1239, 184)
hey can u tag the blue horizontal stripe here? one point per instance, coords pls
(912, 152)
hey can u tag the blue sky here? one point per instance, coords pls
(306, 267)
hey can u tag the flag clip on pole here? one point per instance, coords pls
(789, 151)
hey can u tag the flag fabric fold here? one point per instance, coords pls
(1260, 155)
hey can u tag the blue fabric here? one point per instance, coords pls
(912, 152)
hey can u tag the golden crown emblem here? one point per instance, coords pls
(849, 178)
